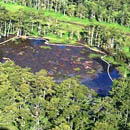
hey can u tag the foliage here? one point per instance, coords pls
(34, 101)
(29, 101)
(103, 11)
(90, 71)
(92, 55)
(45, 47)
(77, 69)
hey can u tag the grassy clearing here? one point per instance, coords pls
(66, 23)
(83, 22)
(15, 7)
(63, 19)
(65, 39)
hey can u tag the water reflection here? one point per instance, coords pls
(102, 84)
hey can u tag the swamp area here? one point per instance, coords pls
(61, 62)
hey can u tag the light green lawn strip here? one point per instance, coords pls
(84, 22)
(11, 7)
(69, 27)
(64, 40)
(61, 17)
(15, 7)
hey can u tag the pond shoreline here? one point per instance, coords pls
(52, 44)
(24, 37)
(32, 52)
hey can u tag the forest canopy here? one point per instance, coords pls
(36, 102)
(117, 11)
(31, 101)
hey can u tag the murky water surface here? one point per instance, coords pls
(61, 62)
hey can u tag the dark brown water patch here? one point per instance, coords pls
(57, 60)
(61, 62)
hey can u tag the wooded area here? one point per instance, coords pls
(101, 10)
(34, 101)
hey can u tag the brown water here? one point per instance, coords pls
(59, 61)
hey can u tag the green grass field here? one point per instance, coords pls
(62, 18)
(66, 23)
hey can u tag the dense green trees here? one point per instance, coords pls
(30, 102)
(121, 100)
(102, 10)
(34, 102)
